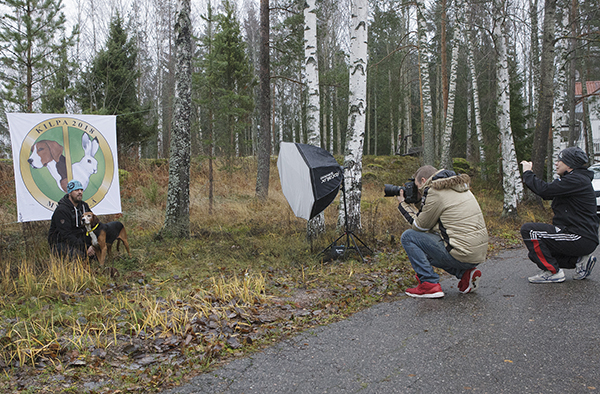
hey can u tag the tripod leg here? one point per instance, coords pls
(364, 244)
(352, 236)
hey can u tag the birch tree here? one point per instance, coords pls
(405, 134)
(449, 120)
(511, 180)
(311, 73)
(425, 88)
(586, 113)
(573, 49)
(316, 225)
(177, 217)
(476, 104)
(559, 115)
(356, 116)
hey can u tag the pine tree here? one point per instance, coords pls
(31, 33)
(58, 89)
(231, 78)
(109, 87)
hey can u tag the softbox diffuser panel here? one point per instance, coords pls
(326, 176)
(310, 178)
(295, 180)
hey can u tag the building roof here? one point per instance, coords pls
(593, 87)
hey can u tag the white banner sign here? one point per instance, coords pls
(49, 150)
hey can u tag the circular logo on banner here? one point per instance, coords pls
(59, 150)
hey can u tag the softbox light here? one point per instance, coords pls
(310, 178)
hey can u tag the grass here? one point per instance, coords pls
(246, 276)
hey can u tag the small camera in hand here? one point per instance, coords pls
(411, 191)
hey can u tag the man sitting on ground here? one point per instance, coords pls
(67, 235)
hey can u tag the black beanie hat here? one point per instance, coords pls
(574, 157)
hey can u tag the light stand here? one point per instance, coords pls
(341, 250)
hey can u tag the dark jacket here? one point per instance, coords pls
(449, 209)
(573, 201)
(66, 226)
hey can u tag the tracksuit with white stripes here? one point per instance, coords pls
(574, 229)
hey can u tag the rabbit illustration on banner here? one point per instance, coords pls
(88, 165)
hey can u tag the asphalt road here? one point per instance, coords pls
(508, 337)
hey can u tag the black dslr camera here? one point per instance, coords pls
(411, 191)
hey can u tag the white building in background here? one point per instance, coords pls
(593, 100)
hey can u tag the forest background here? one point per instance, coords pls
(469, 85)
(119, 57)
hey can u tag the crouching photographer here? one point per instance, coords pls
(448, 230)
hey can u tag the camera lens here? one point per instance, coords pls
(392, 190)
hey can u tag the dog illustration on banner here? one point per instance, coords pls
(49, 154)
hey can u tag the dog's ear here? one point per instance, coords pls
(95, 219)
(55, 149)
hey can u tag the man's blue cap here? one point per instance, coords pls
(74, 185)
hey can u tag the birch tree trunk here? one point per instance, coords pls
(406, 136)
(311, 73)
(469, 150)
(393, 137)
(559, 115)
(443, 61)
(573, 54)
(264, 136)
(476, 106)
(330, 115)
(356, 116)
(586, 113)
(426, 109)
(316, 225)
(451, 95)
(338, 127)
(177, 218)
(407, 129)
(368, 117)
(512, 183)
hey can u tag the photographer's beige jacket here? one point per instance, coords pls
(451, 210)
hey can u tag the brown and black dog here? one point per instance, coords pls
(104, 234)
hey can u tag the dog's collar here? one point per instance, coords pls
(95, 227)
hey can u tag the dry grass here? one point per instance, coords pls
(246, 254)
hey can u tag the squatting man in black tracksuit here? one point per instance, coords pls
(573, 235)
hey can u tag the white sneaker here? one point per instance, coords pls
(548, 277)
(583, 268)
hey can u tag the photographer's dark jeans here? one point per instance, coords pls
(427, 250)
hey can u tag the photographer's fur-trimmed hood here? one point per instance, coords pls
(446, 179)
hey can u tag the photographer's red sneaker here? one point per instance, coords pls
(426, 290)
(469, 280)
